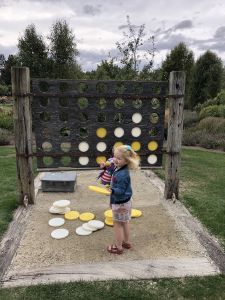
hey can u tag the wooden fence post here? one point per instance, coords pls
(174, 136)
(23, 133)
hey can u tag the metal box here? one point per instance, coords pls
(59, 181)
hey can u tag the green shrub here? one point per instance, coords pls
(6, 120)
(212, 111)
(212, 125)
(190, 118)
(5, 137)
(4, 90)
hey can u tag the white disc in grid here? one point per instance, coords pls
(152, 159)
(83, 160)
(83, 146)
(101, 146)
(136, 131)
(119, 132)
(136, 118)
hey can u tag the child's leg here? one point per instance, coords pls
(126, 232)
(118, 233)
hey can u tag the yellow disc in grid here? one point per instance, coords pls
(100, 159)
(135, 213)
(101, 132)
(108, 213)
(87, 216)
(136, 146)
(117, 144)
(71, 215)
(108, 221)
(153, 145)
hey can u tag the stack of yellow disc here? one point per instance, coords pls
(87, 216)
(135, 213)
(108, 217)
(71, 215)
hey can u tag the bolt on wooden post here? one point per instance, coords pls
(174, 136)
(23, 132)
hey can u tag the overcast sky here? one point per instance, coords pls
(98, 25)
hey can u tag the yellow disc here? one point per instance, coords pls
(153, 145)
(108, 222)
(100, 159)
(71, 215)
(87, 216)
(99, 190)
(117, 144)
(108, 213)
(136, 146)
(101, 132)
(135, 213)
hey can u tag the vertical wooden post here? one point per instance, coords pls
(174, 136)
(23, 132)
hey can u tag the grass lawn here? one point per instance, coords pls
(202, 191)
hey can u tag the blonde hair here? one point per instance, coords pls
(129, 155)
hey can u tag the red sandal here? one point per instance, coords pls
(114, 249)
(126, 245)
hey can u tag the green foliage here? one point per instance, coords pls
(3, 90)
(206, 78)
(212, 111)
(6, 119)
(219, 99)
(5, 138)
(6, 72)
(190, 118)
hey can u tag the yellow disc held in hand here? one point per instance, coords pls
(135, 213)
(101, 132)
(108, 221)
(153, 145)
(87, 216)
(71, 215)
(99, 190)
(108, 213)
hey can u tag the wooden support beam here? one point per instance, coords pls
(23, 133)
(174, 136)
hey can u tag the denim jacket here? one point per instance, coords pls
(120, 186)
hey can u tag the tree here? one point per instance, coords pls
(132, 50)
(63, 51)
(6, 72)
(206, 79)
(179, 59)
(33, 52)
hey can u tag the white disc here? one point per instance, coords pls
(101, 146)
(96, 223)
(87, 227)
(55, 222)
(119, 132)
(83, 160)
(57, 210)
(81, 231)
(136, 131)
(61, 203)
(59, 233)
(152, 159)
(83, 146)
(136, 118)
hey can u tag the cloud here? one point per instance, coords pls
(183, 25)
(91, 10)
(220, 33)
(170, 42)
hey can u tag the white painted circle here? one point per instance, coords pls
(61, 203)
(83, 146)
(136, 118)
(136, 131)
(56, 210)
(55, 222)
(83, 160)
(152, 159)
(101, 146)
(87, 227)
(96, 223)
(119, 132)
(81, 231)
(59, 233)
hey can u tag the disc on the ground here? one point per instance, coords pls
(86, 226)
(87, 216)
(96, 223)
(72, 215)
(55, 222)
(99, 190)
(108, 213)
(61, 203)
(59, 233)
(61, 211)
(135, 213)
(108, 222)
(81, 231)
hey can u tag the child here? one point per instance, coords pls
(120, 199)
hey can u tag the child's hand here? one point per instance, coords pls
(102, 164)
